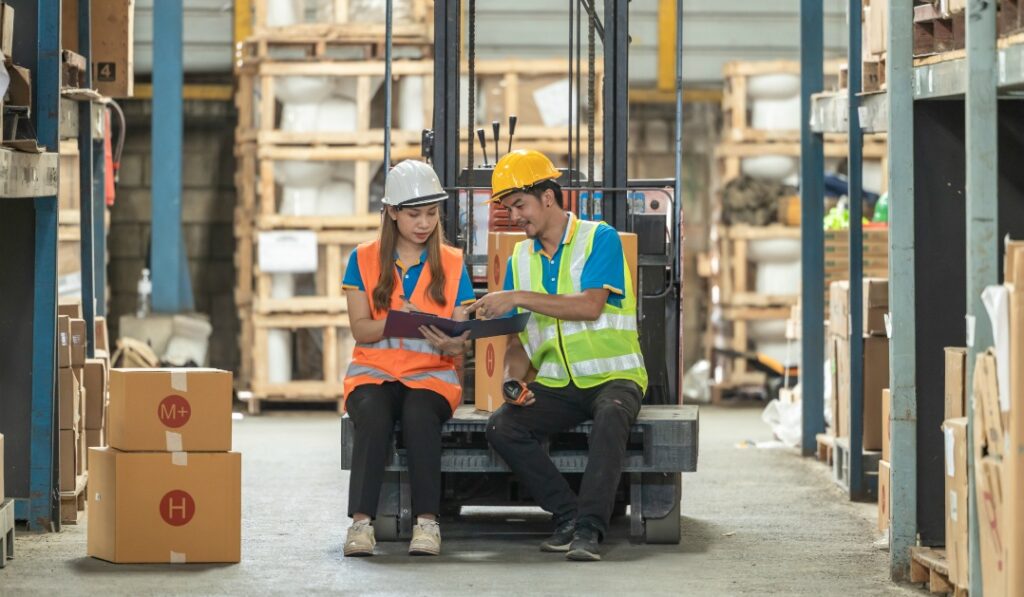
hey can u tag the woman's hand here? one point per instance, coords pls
(448, 345)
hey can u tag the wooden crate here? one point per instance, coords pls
(929, 567)
(333, 21)
(328, 387)
(935, 33)
(507, 88)
(327, 294)
(735, 272)
(736, 107)
(1009, 20)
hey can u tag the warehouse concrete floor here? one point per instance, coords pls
(755, 522)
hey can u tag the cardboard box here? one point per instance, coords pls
(113, 47)
(876, 379)
(991, 526)
(69, 403)
(19, 93)
(839, 308)
(629, 250)
(884, 495)
(63, 341)
(153, 507)
(6, 39)
(82, 452)
(490, 373)
(1013, 460)
(70, 307)
(986, 396)
(102, 337)
(956, 499)
(171, 410)
(886, 425)
(69, 196)
(2, 466)
(956, 382)
(876, 306)
(877, 19)
(78, 342)
(94, 438)
(96, 392)
(68, 448)
(499, 248)
(833, 358)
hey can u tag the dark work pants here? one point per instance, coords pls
(516, 433)
(374, 410)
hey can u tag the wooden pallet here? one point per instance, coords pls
(928, 566)
(72, 503)
(328, 296)
(736, 104)
(935, 33)
(6, 531)
(872, 75)
(335, 23)
(506, 88)
(254, 405)
(826, 443)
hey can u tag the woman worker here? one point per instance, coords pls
(409, 268)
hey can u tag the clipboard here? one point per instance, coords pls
(402, 324)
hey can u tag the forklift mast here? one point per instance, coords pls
(659, 262)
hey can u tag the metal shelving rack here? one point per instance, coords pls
(28, 259)
(955, 191)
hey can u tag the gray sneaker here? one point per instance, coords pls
(360, 540)
(426, 539)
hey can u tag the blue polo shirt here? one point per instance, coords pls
(410, 277)
(604, 267)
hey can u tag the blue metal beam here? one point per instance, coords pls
(902, 290)
(855, 138)
(981, 137)
(172, 292)
(86, 153)
(812, 192)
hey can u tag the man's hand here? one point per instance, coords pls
(446, 344)
(527, 399)
(494, 304)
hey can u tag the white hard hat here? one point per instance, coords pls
(411, 184)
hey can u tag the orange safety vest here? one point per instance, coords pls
(414, 362)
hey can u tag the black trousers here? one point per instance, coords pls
(516, 433)
(374, 410)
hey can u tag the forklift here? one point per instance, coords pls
(664, 441)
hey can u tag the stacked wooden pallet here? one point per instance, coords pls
(752, 142)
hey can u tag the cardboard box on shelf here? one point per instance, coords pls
(876, 305)
(155, 507)
(68, 448)
(113, 50)
(6, 39)
(956, 499)
(96, 392)
(63, 341)
(71, 307)
(839, 308)
(78, 342)
(490, 373)
(170, 410)
(875, 379)
(101, 335)
(19, 91)
(69, 400)
(986, 396)
(886, 424)
(991, 526)
(956, 381)
(884, 484)
(94, 438)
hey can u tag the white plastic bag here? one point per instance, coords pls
(695, 383)
(785, 421)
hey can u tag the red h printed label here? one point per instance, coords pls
(177, 508)
(496, 270)
(174, 411)
(489, 359)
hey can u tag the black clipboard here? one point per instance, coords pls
(403, 324)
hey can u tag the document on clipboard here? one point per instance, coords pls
(402, 324)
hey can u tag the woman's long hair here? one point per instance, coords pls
(388, 276)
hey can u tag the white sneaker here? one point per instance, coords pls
(360, 540)
(426, 539)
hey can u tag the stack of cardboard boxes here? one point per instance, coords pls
(168, 489)
(876, 358)
(72, 400)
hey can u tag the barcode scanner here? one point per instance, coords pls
(515, 391)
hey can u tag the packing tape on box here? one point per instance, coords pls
(179, 381)
(179, 458)
(178, 558)
(173, 441)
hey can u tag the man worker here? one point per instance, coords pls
(580, 347)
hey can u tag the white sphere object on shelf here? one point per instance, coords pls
(773, 86)
(771, 167)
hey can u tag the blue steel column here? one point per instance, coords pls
(981, 133)
(86, 152)
(855, 138)
(44, 502)
(99, 228)
(902, 290)
(812, 191)
(172, 291)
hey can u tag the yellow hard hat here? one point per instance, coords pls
(520, 170)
